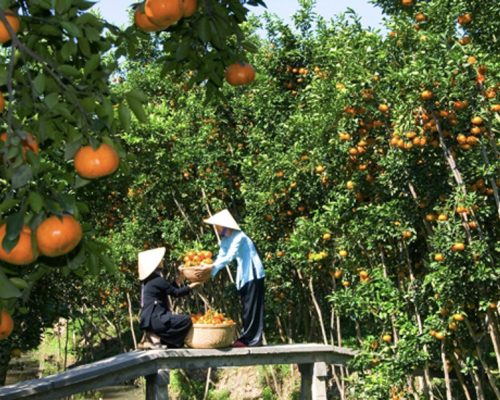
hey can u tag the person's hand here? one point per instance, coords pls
(203, 271)
(194, 285)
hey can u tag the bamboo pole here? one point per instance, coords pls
(449, 395)
(460, 378)
(131, 321)
(487, 370)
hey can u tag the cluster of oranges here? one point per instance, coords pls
(194, 258)
(157, 15)
(211, 317)
(55, 236)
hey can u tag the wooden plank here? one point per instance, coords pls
(131, 365)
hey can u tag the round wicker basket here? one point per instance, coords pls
(190, 274)
(211, 336)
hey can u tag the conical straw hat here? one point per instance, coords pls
(223, 218)
(149, 261)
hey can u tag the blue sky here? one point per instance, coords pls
(116, 11)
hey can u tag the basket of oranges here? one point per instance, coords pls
(191, 267)
(211, 331)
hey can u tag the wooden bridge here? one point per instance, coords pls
(154, 365)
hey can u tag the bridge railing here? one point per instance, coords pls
(154, 365)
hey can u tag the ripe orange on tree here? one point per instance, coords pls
(458, 317)
(93, 164)
(24, 252)
(164, 12)
(343, 253)
(57, 236)
(240, 73)
(142, 22)
(426, 95)
(387, 338)
(190, 7)
(6, 324)
(13, 21)
(458, 247)
(439, 257)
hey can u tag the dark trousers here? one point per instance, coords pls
(173, 332)
(252, 302)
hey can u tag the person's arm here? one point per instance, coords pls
(173, 290)
(225, 257)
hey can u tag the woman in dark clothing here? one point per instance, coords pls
(157, 321)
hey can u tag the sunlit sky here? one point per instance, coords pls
(116, 11)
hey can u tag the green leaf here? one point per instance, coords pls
(68, 49)
(72, 147)
(71, 28)
(39, 83)
(93, 263)
(51, 100)
(19, 283)
(35, 201)
(138, 95)
(80, 182)
(14, 227)
(7, 289)
(92, 63)
(84, 46)
(124, 114)
(69, 70)
(78, 260)
(62, 6)
(137, 108)
(108, 264)
(22, 176)
(8, 204)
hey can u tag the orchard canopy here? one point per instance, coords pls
(364, 164)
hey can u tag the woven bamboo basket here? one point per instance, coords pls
(190, 274)
(211, 336)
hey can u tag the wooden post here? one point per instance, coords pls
(157, 385)
(319, 381)
(306, 380)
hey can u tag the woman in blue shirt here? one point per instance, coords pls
(235, 245)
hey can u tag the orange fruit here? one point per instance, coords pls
(240, 73)
(476, 120)
(93, 164)
(6, 324)
(57, 236)
(387, 338)
(426, 95)
(23, 252)
(458, 247)
(142, 22)
(190, 7)
(407, 234)
(343, 253)
(383, 108)
(164, 12)
(438, 257)
(13, 21)
(458, 317)
(363, 274)
(407, 3)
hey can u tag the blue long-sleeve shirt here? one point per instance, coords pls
(240, 247)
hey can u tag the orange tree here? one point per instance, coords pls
(364, 167)
(60, 119)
